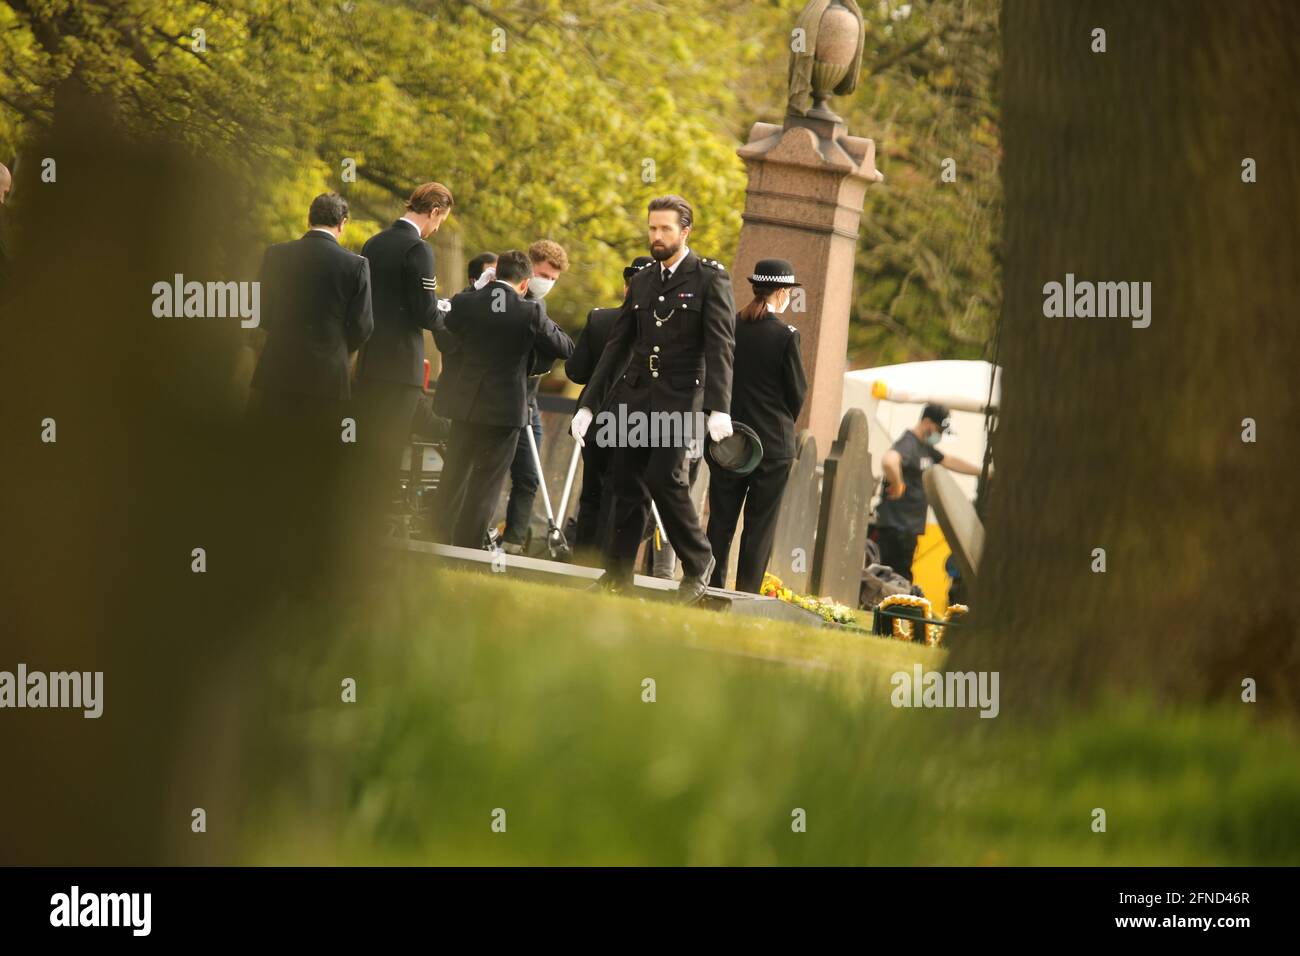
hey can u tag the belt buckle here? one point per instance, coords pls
(654, 363)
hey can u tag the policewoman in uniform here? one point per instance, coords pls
(670, 351)
(768, 389)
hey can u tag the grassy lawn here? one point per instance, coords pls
(476, 692)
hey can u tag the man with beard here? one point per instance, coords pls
(675, 336)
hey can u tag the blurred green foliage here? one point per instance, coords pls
(483, 693)
(548, 118)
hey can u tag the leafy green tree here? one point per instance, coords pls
(546, 118)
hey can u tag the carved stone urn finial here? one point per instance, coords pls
(825, 56)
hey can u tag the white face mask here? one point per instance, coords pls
(539, 286)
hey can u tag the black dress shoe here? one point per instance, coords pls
(693, 587)
(609, 583)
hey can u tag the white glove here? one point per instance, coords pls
(488, 275)
(581, 422)
(719, 425)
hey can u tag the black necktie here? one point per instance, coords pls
(664, 273)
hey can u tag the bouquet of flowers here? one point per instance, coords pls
(826, 608)
(902, 629)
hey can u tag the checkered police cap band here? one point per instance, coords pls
(758, 278)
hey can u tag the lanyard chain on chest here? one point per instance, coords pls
(662, 318)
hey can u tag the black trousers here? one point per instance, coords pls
(477, 462)
(385, 411)
(660, 473)
(592, 527)
(524, 482)
(760, 492)
(897, 549)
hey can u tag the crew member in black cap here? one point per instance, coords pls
(767, 393)
(592, 528)
(900, 516)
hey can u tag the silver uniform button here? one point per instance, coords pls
(659, 323)
(655, 374)
(656, 348)
(661, 298)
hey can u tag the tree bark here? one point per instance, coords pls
(1127, 166)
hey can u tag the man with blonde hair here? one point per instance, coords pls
(390, 369)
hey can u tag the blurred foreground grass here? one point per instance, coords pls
(476, 692)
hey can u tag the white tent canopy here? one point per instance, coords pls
(961, 385)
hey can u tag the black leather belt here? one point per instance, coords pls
(656, 362)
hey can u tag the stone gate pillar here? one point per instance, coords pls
(807, 184)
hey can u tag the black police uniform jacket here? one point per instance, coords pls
(404, 291)
(672, 343)
(769, 385)
(591, 346)
(316, 310)
(499, 334)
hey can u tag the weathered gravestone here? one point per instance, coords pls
(796, 525)
(960, 524)
(842, 519)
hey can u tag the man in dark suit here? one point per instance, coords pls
(315, 310)
(674, 336)
(484, 262)
(591, 530)
(499, 330)
(390, 369)
(481, 270)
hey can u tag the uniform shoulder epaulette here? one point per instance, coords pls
(714, 263)
(793, 329)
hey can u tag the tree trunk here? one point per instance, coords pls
(1127, 166)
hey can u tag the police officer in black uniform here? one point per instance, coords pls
(500, 333)
(670, 351)
(595, 502)
(390, 369)
(767, 395)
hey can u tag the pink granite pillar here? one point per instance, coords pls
(807, 185)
